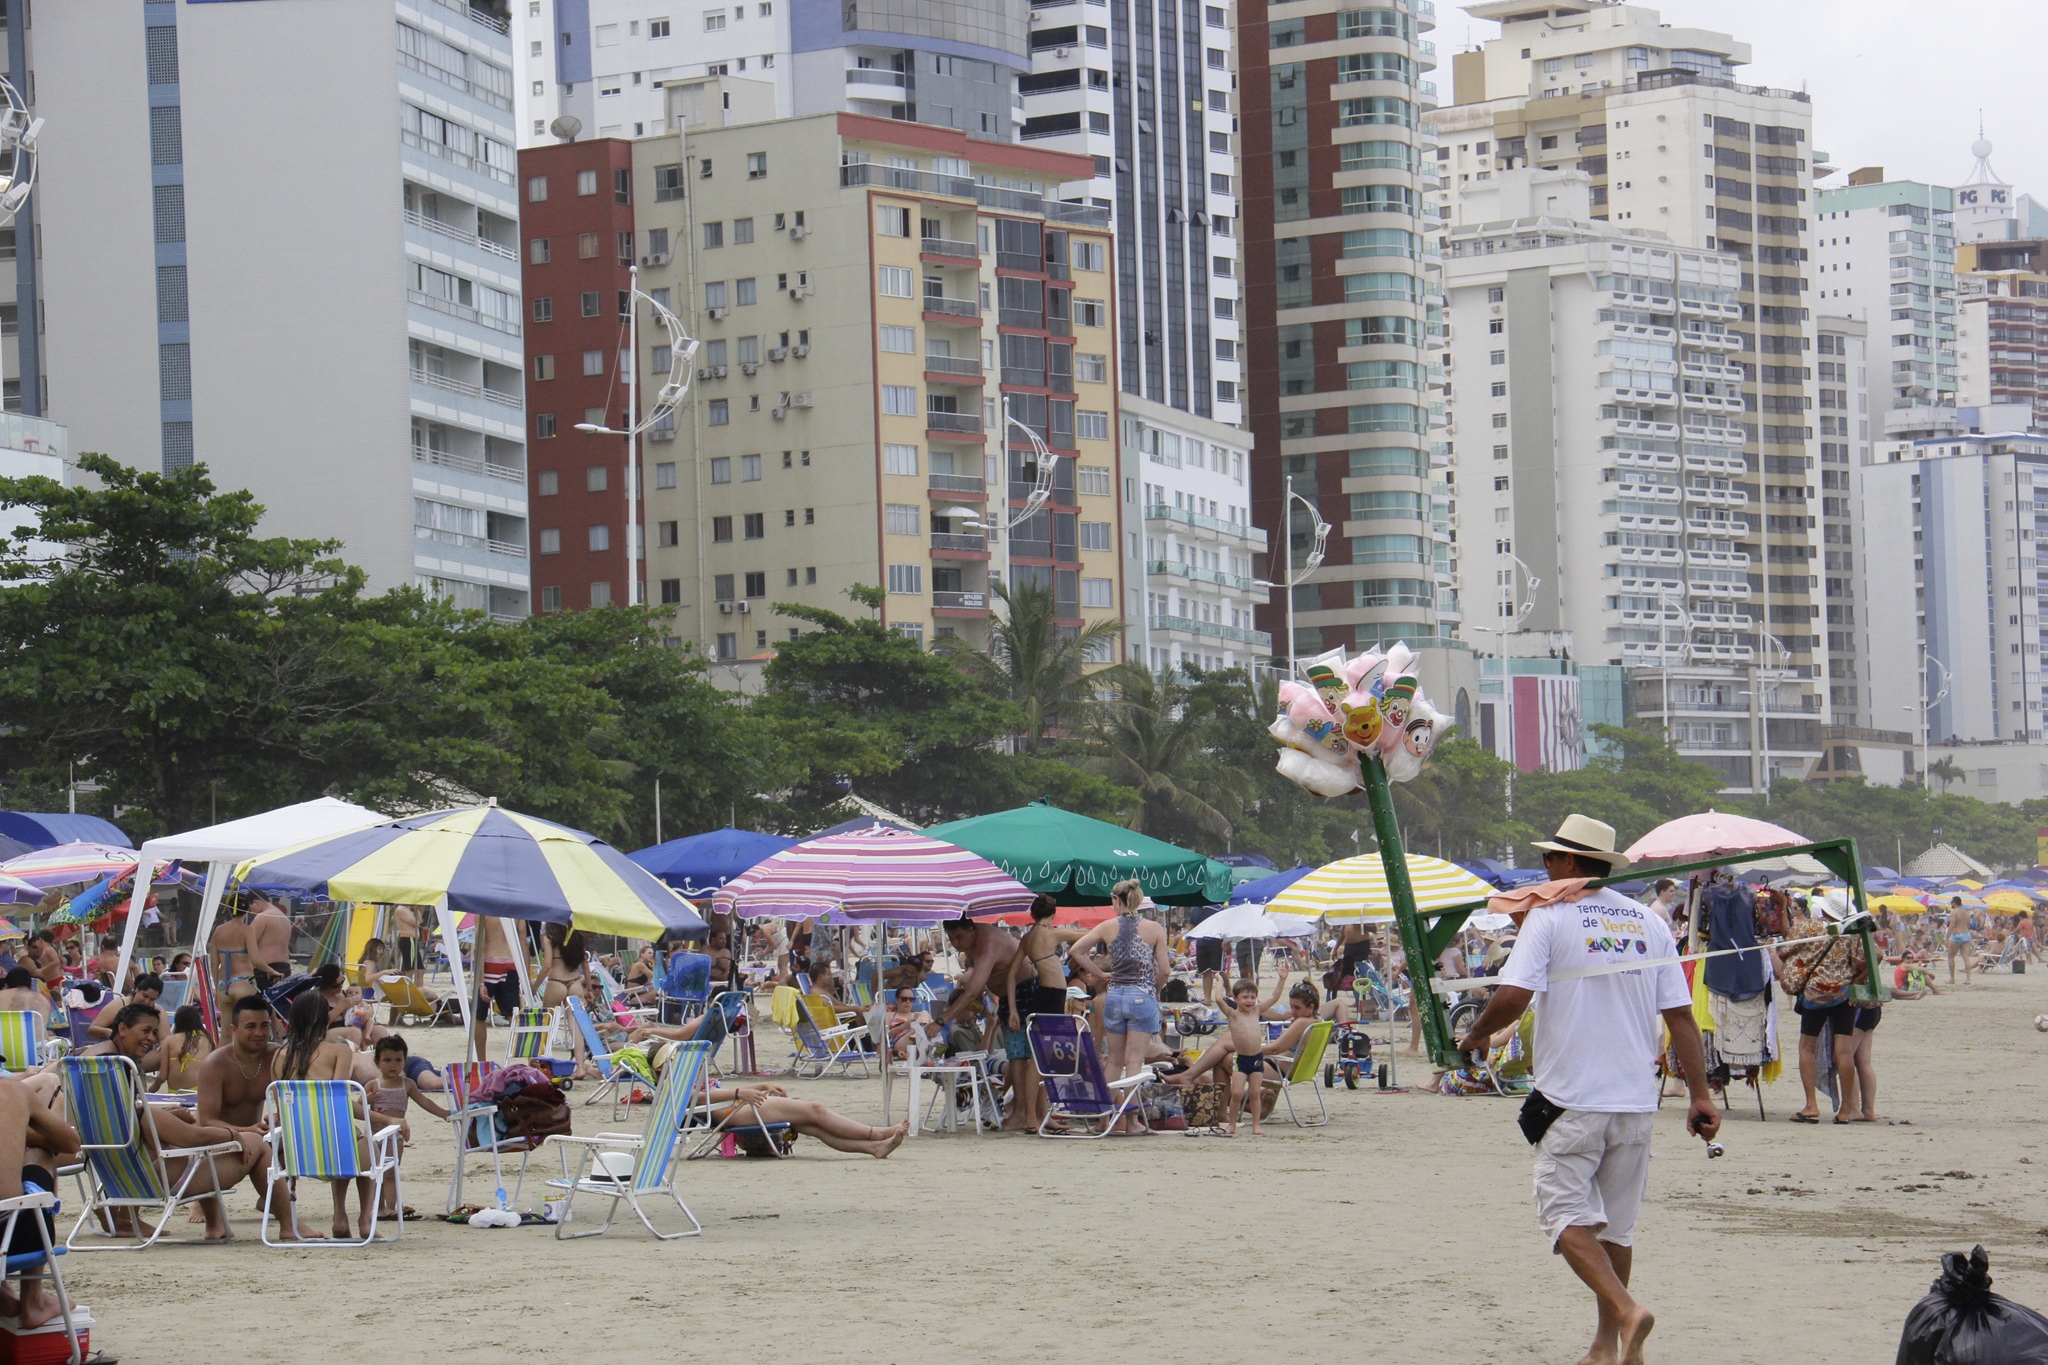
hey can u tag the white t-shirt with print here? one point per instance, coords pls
(1597, 1037)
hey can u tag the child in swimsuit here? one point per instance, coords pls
(1248, 1040)
(389, 1099)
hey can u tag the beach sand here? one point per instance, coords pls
(1402, 1231)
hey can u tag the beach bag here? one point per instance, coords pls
(1961, 1322)
(768, 1142)
(1802, 971)
(536, 1113)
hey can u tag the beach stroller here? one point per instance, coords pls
(1354, 1056)
(1075, 1088)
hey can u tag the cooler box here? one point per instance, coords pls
(45, 1345)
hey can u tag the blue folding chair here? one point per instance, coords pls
(41, 1206)
(614, 1077)
(1075, 1085)
(685, 986)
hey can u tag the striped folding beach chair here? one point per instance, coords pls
(124, 1160)
(531, 1029)
(316, 1134)
(41, 1207)
(654, 1165)
(822, 1042)
(614, 1078)
(22, 1041)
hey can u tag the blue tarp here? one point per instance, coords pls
(40, 830)
(701, 863)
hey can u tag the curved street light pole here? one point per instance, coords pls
(1292, 577)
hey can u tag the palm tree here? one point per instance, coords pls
(1947, 769)
(1033, 661)
(1154, 737)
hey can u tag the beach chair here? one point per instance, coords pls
(125, 1166)
(1308, 1061)
(720, 1016)
(1075, 1088)
(531, 1028)
(822, 1042)
(615, 994)
(408, 1004)
(475, 1122)
(614, 1078)
(685, 986)
(948, 1076)
(320, 1130)
(41, 1207)
(23, 1043)
(176, 994)
(654, 1167)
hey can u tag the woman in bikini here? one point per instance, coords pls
(766, 1104)
(1037, 985)
(565, 974)
(309, 1055)
(185, 1049)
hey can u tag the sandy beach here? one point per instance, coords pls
(1402, 1230)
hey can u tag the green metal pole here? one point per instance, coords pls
(1422, 996)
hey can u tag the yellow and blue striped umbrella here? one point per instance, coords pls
(1356, 888)
(485, 861)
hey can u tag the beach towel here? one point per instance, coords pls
(1565, 891)
(785, 1006)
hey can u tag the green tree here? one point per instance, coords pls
(1457, 806)
(1947, 770)
(1154, 738)
(1033, 662)
(1269, 815)
(1636, 784)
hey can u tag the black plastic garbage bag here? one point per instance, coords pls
(1961, 1322)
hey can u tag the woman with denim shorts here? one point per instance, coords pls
(1137, 968)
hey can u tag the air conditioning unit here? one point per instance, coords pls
(779, 411)
(800, 350)
(748, 367)
(661, 433)
(742, 608)
(655, 258)
(778, 354)
(716, 313)
(1063, 52)
(800, 291)
(725, 608)
(718, 372)
(799, 232)
(802, 400)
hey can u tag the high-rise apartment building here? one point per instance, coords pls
(1673, 144)
(1986, 208)
(607, 62)
(282, 239)
(1340, 310)
(2002, 325)
(1885, 252)
(886, 310)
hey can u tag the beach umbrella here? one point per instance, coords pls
(1939, 900)
(1267, 887)
(870, 875)
(700, 864)
(15, 891)
(485, 861)
(1709, 834)
(1078, 860)
(2010, 902)
(1253, 921)
(1897, 904)
(1356, 888)
(68, 864)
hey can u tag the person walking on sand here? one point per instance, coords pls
(1961, 938)
(1600, 972)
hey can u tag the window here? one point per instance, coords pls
(1089, 313)
(704, 168)
(668, 183)
(899, 459)
(543, 426)
(1098, 592)
(899, 400)
(907, 579)
(665, 474)
(714, 294)
(757, 165)
(593, 362)
(721, 531)
(671, 592)
(728, 645)
(1091, 369)
(1093, 426)
(720, 413)
(550, 597)
(900, 340)
(714, 236)
(895, 282)
(543, 310)
(596, 479)
(665, 534)
(714, 20)
(547, 483)
(757, 584)
(742, 232)
(750, 469)
(891, 221)
(1496, 357)
(586, 183)
(1500, 421)
(1500, 389)
(590, 303)
(543, 367)
(721, 469)
(536, 188)
(537, 251)
(657, 28)
(743, 293)
(900, 519)
(551, 542)
(1088, 255)
(1092, 480)
(1095, 535)
(754, 525)
(586, 246)
(600, 539)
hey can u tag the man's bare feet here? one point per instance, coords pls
(1635, 1330)
(892, 1142)
(38, 1306)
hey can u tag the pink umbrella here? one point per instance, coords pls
(66, 864)
(869, 875)
(1709, 834)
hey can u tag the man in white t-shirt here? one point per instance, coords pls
(1595, 1059)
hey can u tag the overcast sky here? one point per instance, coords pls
(1895, 83)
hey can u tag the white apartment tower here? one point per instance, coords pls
(1885, 252)
(288, 250)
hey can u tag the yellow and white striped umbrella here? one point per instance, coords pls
(1352, 889)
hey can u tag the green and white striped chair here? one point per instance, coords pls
(124, 1159)
(24, 1043)
(655, 1162)
(316, 1134)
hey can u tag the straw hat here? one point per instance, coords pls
(1590, 838)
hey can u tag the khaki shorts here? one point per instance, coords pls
(1591, 1171)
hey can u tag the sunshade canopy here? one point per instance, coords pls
(1267, 887)
(1250, 920)
(1707, 834)
(1078, 860)
(877, 874)
(483, 861)
(700, 864)
(39, 829)
(1356, 888)
(252, 836)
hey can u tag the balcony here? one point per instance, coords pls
(505, 547)
(874, 75)
(468, 464)
(463, 311)
(946, 369)
(957, 545)
(1187, 625)
(462, 159)
(899, 178)
(1173, 568)
(953, 423)
(481, 16)
(1251, 535)
(957, 486)
(969, 603)
(447, 382)
(463, 235)
(947, 250)
(939, 309)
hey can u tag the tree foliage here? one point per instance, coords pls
(1032, 663)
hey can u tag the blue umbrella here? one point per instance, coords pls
(700, 864)
(860, 822)
(1265, 888)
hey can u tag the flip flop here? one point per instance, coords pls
(1806, 1118)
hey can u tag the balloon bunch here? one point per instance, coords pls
(1372, 704)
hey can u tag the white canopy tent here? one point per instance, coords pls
(224, 845)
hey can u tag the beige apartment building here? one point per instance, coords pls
(888, 313)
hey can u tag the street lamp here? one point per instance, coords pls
(682, 347)
(997, 524)
(1667, 595)
(1928, 703)
(1293, 578)
(1760, 724)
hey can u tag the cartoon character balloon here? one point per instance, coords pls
(1371, 704)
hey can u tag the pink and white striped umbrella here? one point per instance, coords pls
(67, 864)
(870, 875)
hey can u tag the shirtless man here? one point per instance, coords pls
(270, 944)
(497, 976)
(107, 961)
(988, 950)
(31, 1140)
(232, 1082)
(18, 992)
(405, 932)
(1960, 939)
(43, 960)
(230, 944)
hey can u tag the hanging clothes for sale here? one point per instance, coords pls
(1730, 915)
